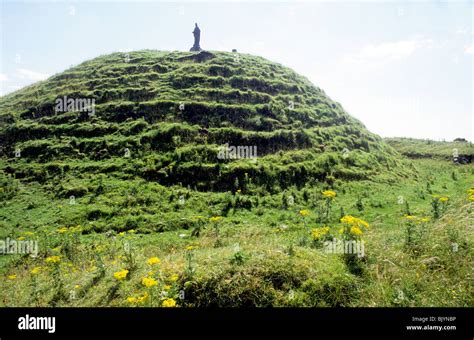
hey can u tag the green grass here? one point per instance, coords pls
(419, 148)
(120, 211)
(267, 273)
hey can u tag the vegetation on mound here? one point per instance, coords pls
(162, 116)
(419, 148)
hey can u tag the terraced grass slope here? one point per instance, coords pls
(162, 116)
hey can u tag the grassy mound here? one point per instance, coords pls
(162, 116)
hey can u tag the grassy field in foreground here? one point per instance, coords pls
(225, 251)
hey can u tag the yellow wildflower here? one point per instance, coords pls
(120, 275)
(215, 218)
(319, 232)
(329, 194)
(354, 222)
(410, 217)
(356, 231)
(21, 238)
(304, 213)
(149, 282)
(444, 199)
(348, 219)
(363, 223)
(35, 270)
(53, 259)
(11, 277)
(62, 230)
(169, 303)
(174, 278)
(132, 299)
(121, 233)
(189, 248)
(153, 260)
(167, 287)
(142, 298)
(132, 231)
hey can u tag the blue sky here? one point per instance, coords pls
(402, 68)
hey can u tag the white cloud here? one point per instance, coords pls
(387, 52)
(3, 77)
(461, 31)
(397, 50)
(31, 75)
(469, 49)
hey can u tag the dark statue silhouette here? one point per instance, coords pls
(197, 38)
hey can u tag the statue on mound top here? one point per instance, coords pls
(197, 38)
